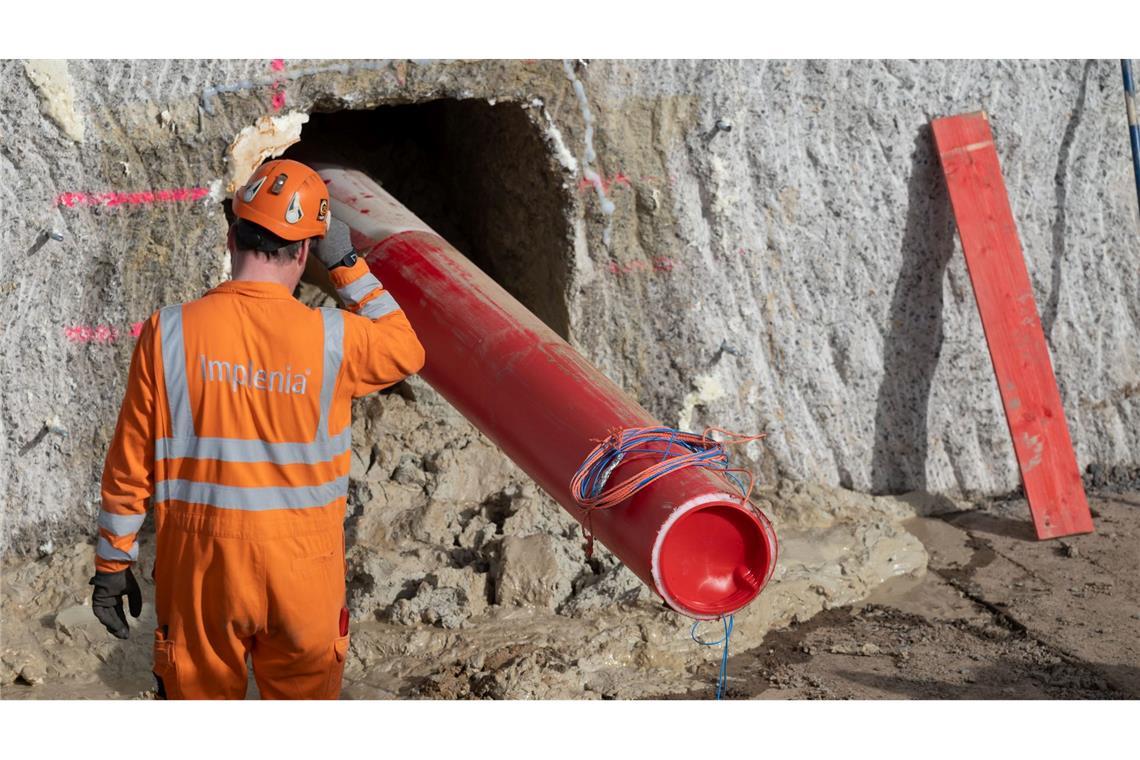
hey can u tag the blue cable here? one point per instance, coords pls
(722, 677)
(669, 445)
(1133, 127)
(714, 457)
(594, 483)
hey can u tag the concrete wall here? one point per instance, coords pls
(817, 241)
(798, 274)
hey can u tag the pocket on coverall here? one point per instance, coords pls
(336, 671)
(164, 668)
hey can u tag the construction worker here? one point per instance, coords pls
(237, 425)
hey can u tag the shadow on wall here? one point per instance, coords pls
(914, 332)
(1061, 220)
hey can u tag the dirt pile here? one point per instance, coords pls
(464, 580)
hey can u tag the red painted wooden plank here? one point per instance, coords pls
(1012, 326)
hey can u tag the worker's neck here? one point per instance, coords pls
(247, 268)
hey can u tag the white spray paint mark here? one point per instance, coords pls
(589, 155)
(723, 201)
(708, 389)
(53, 82)
(54, 425)
(584, 267)
(561, 152)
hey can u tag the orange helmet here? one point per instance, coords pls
(287, 198)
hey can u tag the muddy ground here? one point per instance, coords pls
(996, 615)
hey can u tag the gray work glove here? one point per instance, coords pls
(335, 245)
(107, 600)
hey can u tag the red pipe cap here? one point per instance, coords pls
(714, 558)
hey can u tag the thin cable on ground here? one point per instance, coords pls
(722, 677)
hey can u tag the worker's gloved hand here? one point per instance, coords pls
(107, 600)
(335, 245)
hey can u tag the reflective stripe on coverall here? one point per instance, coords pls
(237, 423)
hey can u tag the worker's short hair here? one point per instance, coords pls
(253, 237)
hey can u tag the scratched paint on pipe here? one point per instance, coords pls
(466, 280)
(507, 327)
(522, 385)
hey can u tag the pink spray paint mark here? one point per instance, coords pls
(608, 183)
(278, 87)
(662, 264)
(100, 333)
(143, 198)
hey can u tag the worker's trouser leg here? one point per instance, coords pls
(278, 601)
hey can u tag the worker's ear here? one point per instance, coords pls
(303, 256)
(231, 246)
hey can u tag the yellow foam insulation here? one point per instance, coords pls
(268, 137)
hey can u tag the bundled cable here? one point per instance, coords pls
(668, 450)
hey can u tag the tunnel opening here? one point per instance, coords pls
(479, 174)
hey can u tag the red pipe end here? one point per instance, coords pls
(713, 556)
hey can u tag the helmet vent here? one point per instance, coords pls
(251, 190)
(293, 213)
(278, 184)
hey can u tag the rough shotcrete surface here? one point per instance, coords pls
(798, 274)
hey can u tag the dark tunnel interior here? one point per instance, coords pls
(477, 173)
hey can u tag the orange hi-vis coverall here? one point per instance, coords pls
(237, 424)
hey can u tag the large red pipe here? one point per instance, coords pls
(527, 390)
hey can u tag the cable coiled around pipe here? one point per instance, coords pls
(590, 488)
